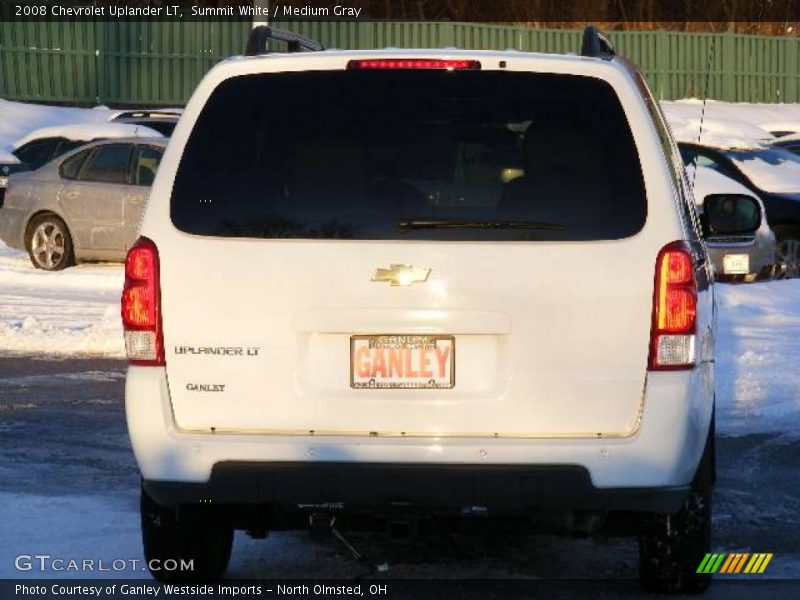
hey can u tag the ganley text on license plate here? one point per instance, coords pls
(402, 361)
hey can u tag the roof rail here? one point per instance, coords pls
(596, 44)
(258, 41)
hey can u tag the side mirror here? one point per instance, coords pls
(730, 214)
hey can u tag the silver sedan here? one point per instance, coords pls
(85, 205)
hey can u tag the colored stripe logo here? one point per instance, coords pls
(735, 562)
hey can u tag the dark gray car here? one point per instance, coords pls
(85, 205)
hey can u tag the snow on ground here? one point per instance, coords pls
(758, 345)
(71, 312)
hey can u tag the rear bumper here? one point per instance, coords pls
(503, 489)
(615, 473)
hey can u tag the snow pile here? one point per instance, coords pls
(18, 119)
(766, 116)
(728, 131)
(758, 344)
(71, 312)
(721, 133)
(729, 125)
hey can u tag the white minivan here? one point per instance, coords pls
(448, 285)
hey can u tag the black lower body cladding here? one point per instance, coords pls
(359, 486)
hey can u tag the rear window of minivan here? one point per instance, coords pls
(411, 155)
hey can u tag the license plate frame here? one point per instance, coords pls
(736, 264)
(396, 341)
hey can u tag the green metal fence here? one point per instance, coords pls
(160, 63)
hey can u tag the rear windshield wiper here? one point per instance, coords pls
(493, 224)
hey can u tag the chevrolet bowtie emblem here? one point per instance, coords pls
(401, 274)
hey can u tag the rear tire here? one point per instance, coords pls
(49, 243)
(672, 546)
(171, 534)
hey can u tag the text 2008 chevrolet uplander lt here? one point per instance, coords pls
(422, 284)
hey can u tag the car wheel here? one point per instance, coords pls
(672, 546)
(49, 243)
(789, 254)
(195, 539)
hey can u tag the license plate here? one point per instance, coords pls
(736, 264)
(402, 361)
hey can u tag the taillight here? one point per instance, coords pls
(672, 333)
(141, 305)
(414, 63)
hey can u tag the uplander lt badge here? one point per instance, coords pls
(219, 350)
